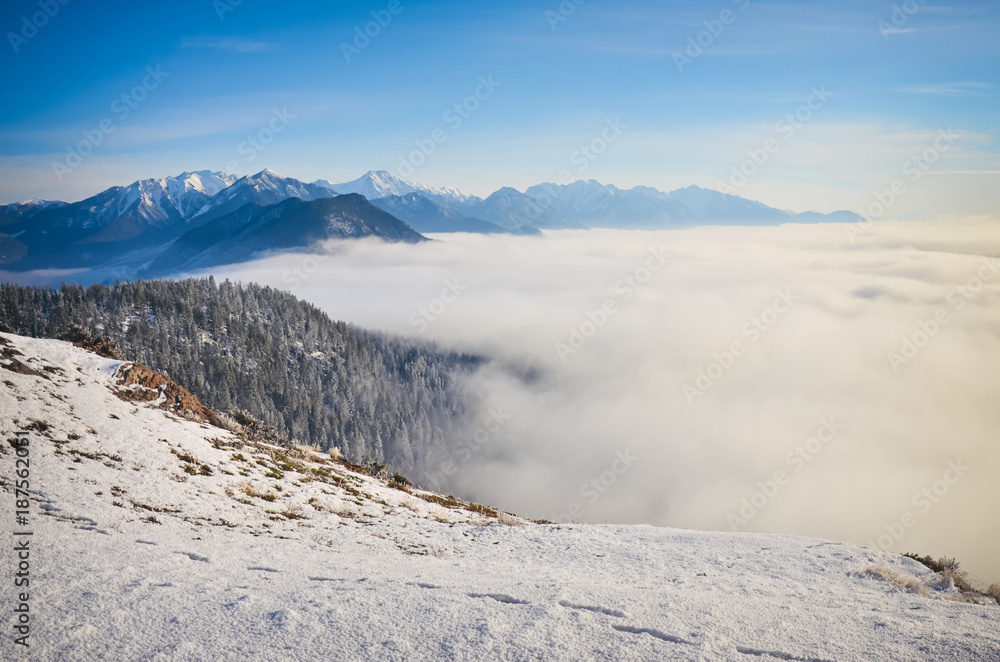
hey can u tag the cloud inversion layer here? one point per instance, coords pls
(611, 428)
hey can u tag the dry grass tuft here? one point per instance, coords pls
(908, 584)
(252, 491)
(509, 520)
(938, 585)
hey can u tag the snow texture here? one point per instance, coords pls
(162, 538)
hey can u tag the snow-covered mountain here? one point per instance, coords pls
(592, 204)
(123, 208)
(376, 184)
(702, 203)
(595, 205)
(114, 226)
(264, 188)
(189, 189)
(162, 530)
(425, 216)
(152, 202)
(124, 212)
(19, 211)
(60, 235)
(509, 208)
(122, 229)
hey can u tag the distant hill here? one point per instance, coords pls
(254, 229)
(425, 216)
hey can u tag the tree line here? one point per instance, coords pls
(249, 348)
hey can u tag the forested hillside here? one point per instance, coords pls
(283, 361)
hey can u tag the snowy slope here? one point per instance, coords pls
(156, 537)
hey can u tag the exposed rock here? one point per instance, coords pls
(142, 383)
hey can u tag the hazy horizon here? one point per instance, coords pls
(787, 91)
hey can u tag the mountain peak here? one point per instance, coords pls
(376, 184)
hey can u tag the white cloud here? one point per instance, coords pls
(230, 44)
(888, 31)
(961, 89)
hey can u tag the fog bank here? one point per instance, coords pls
(712, 378)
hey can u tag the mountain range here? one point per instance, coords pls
(129, 230)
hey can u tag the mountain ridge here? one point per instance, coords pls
(122, 229)
(254, 229)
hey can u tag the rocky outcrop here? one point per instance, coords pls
(137, 382)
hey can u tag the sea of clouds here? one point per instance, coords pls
(797, 379)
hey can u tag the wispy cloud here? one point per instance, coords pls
(888, 31)
(230, 44)
(962, 89)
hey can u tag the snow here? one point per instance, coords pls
(134, 558)
(583, 197)
(128, 197)
(163, 199)
(376, 184)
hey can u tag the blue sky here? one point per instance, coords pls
(558, 85)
